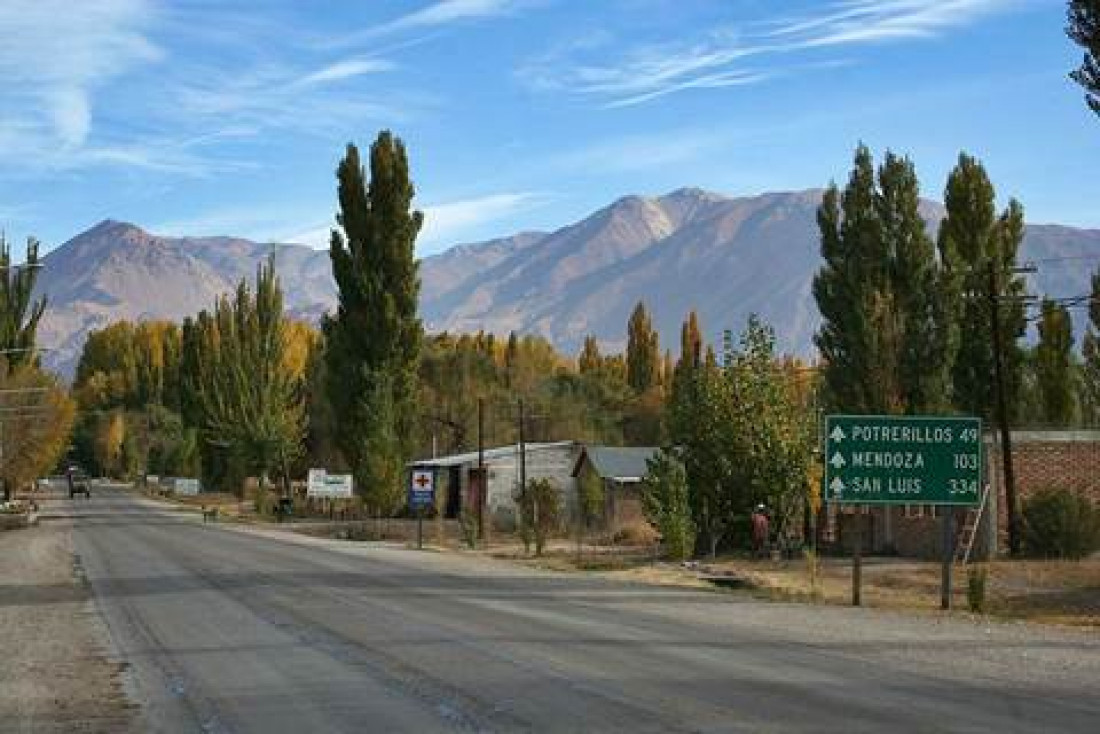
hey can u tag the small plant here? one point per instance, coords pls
(1059, 523)
(467, 523)
(813, 568)
(540, 513)
(977, 576)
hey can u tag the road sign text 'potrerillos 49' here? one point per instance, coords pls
(878, 459)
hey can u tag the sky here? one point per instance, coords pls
(228, 117)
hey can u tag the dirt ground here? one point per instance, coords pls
(1054, 592)
(55, 673)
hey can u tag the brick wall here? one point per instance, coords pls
(1046, 459)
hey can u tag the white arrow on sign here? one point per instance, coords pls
(836, 485)
(837, 461)
(837, 435)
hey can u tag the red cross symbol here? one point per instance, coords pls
(422, 480)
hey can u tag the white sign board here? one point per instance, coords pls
(321, 484)
(183, 485)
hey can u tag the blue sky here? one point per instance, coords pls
(229, 116)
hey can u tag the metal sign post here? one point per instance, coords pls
(421, 497)
(903, 460)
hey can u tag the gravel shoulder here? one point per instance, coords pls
(56, 671)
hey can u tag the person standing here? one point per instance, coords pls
(760, 531)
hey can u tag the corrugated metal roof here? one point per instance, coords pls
(621, 464)
(470, 457)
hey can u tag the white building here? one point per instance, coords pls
(456, 477)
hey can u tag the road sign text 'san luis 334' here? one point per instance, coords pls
(879, 459)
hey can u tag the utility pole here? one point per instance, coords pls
(1011, 505)
(523, 469)
(482, 483)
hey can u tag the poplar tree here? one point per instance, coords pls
(247, 401)
(851, 293)
(1083, 26)
(924, 336)
(373, 340)
(590, 361)
(643, 351)
(1054, 364)
(979, 250)
(19, 315)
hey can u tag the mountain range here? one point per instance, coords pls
(723, 256)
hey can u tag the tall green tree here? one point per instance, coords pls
(1090, 352)
(1054, 367)
(769, 434)
(919, 318)
(373, 341)
(845, 288)
(882, 337)
(249, 403)
(979, 251)
(643, 351)
(19, 314)
(1083, 26)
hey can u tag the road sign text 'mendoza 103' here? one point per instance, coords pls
(878, 459)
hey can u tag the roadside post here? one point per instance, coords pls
(421, 496)
(904, 460)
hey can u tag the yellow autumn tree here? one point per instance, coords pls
(36, 418)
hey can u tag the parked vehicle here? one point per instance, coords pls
(79, 483)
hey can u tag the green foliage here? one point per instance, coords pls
(744, 431)
(884, 337)
(1054, 365)
(373, 342)
(643, 351)
(977, 578)
(247, 401)
(1083, 26)
(666, 503)
(771, 432)
(590, 495)
(540, 508)
(979, 250)
(565, 405)
(1059, 523)
(19, 316)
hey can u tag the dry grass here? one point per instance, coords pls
(1058, 592)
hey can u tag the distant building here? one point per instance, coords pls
(621, 471)
(456, 477)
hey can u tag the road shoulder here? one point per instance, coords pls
(57, 670)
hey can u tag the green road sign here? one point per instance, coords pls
(886, 460)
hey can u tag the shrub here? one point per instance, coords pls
(1059, 523)
(976, 577)
(540, 512)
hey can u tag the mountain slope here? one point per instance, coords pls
(690, 249)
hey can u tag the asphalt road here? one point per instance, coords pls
(225, 630)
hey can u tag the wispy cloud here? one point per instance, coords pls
(444, 223)
(445, 12)
(346, 69)
(56, 54)
(596, 68)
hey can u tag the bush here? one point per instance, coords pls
(1058, 523)
(665, 502)
(976, 578)
(540, 512)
